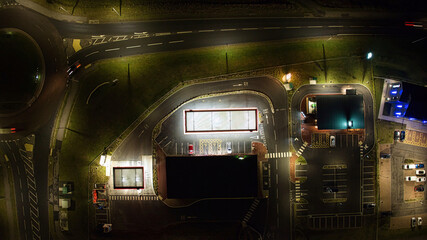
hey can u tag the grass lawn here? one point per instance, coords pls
(135, 10)
(113, 107)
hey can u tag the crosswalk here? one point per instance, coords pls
(278, 155)
(301, 149)
(251, 211)
(134, 197)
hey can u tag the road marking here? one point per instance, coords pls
(206, 31)
(248, 29)
(163, 34)
(228, 29)
(112, 49)
(314, 26)
(335, 26)
(136, 46)
(184, 32)
(268, 28)
(294, 27)
(179, 41)
(154, 44)
(277, 178)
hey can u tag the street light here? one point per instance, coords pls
(369, 55)
(287, 77)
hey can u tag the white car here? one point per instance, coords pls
(408, 166)
(411, 178)
(420, 221)
(421, 179)
(420, 172)
(332, 141)
(228, 147)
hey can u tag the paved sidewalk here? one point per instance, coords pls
(385, 183)
(51, 14)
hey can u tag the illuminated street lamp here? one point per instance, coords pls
(369, 55)
(287, 77)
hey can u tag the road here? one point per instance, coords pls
(124, 39)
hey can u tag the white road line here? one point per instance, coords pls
(335, 26)
(154, 44)
(277, 178)
(178, 41)
(206, 30)
(294, 27)
(314, 26)
(163, 34)
(248, 29)
(228, 29)
(92, 53)
(136, 46)
(22, 197)
(184, 32)
(112, 49)
(268, 28)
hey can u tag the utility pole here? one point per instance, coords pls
(324, 63)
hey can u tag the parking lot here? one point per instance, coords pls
(335, 178)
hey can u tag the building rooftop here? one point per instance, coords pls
(334, 111)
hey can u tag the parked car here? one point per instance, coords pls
(411, 178)
(420, 172)
(421, 179)
(332, 141)
(396, 135)
(330, 189)
(413, 222)
(402, 136)
(229, 150)
(190, 149)
(369, 205)
(419, 188)
(73, 68)
(385, 155)
(420, 221)
(421, 165)
(409, 166)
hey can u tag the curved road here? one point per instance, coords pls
(137, 144)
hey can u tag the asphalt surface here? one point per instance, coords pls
(171, 36)
(400, 152)
(139, 142)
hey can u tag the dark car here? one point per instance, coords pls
(385, 155)
(369, 205)
(419, 188)
(330, 189)
(402, 136)
(396, 135)
(420, 165)
(73, 68)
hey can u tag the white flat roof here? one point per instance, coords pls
(221, 120)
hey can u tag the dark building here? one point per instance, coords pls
(335, 111)
(416, 96)
(195, 177)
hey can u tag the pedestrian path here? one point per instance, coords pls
(251, 211)
(134, 197)
(278, 155)
(301, 149)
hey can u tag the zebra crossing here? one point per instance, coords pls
(134, 197)
(301, 149)
(251, 211)
(278, 155)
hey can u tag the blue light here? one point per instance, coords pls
(397, 113)
(400, 92)
(399, 106)
(424, 121)
(394, 92)
(406, 106)
(412, 119)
